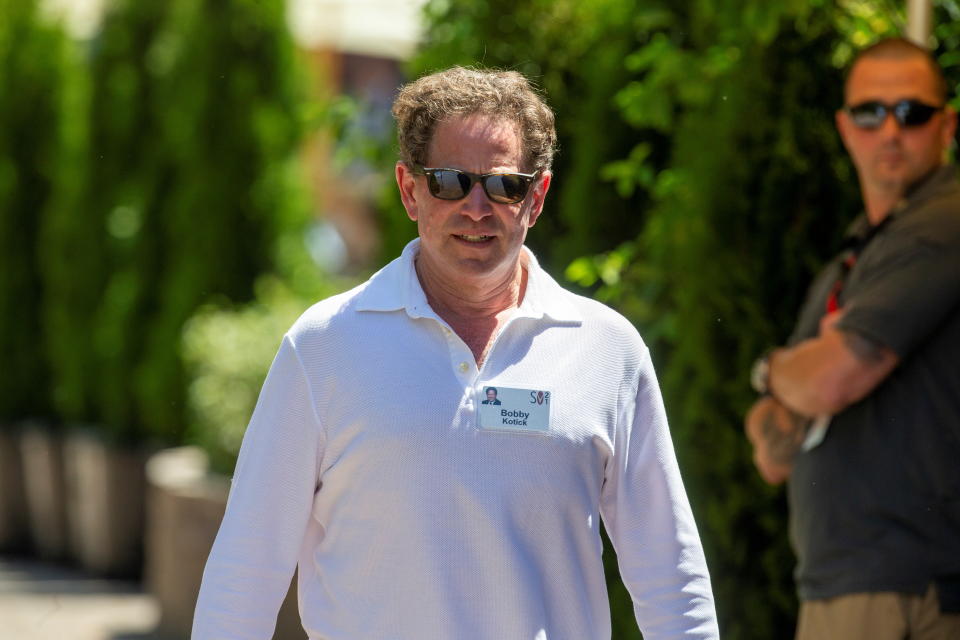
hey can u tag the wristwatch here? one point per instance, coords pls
(760, 374)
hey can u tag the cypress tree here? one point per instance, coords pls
(31, 73)
(227, 112)
(178, 178)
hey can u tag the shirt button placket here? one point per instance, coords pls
(460, 357)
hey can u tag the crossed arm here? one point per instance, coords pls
(819, 376)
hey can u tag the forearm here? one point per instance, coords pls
(826, 374)
(801, 381)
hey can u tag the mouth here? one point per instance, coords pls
(476, 239)
(890, 159)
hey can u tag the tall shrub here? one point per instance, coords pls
(227, 108)
(107, 179)
(189, 125)
(755, 196)
(31, 73)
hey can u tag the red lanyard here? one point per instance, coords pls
(833, 300)
(855, 245)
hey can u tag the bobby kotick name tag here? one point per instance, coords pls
(514, 409)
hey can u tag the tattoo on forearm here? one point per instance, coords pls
(866, 349)
(784, 432)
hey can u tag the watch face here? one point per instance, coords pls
(759, 375)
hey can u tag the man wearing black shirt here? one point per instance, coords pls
(861, 410)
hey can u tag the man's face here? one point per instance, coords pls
(491, 395)
(890, 158)
(473, 242)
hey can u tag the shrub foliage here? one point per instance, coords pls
(173, 187)
(31, 74)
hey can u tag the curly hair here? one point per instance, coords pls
(422, 104)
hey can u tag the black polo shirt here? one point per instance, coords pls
(876, 506)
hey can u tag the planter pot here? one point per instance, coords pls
(185, 505)
(106, 492)
(14, 527)
(42, 458)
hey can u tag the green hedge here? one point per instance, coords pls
(755, 196)
(174, 187)
(31, 74)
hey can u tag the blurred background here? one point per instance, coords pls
(180, 179)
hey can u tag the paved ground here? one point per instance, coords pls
(45, 602)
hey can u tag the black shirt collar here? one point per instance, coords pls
(921, 190)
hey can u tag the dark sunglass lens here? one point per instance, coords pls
(506, 188)
(911, 113)
(868, 115)
(447, 184)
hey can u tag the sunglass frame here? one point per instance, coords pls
(901, 110)
(525, 178)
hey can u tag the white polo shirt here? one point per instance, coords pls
(415, 512)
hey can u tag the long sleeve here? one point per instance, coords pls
(648, 517)
(255, 552)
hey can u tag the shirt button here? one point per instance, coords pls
(463, 367)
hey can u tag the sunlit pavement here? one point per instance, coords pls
(46, 602)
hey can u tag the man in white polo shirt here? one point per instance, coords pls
(447, 518)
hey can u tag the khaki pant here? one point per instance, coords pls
(877, 616)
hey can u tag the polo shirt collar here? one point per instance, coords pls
(397, 287)
(940, 178)
(929, 186)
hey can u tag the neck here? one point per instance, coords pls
(880, 199)
(475, 313)
(467, 300)
(879, 204)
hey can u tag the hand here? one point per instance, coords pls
(830, 320)
(777, 434)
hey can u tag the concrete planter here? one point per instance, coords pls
(41, 452)
(185, 505)
(106, 493)
(14, 523)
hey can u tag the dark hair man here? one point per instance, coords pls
(491, 396)
(861, 411)
(439, 519)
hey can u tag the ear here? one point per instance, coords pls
(538, 196)
(407, 186)
(842, 121)
(949, 126)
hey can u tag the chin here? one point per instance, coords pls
(889, 177)
(481, 270)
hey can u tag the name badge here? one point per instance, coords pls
(514, 409)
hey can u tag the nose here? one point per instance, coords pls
(476, 205)
(889, 128)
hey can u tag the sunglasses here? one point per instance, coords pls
(907, 113)
(454, 184)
